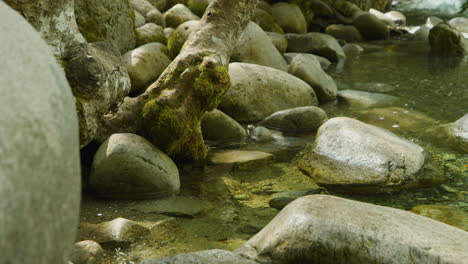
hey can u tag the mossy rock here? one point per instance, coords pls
(180, 35)
(266, 21)
(148, 33)
(198, 6)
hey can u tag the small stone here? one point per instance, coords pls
(86, 252)
(241, 159)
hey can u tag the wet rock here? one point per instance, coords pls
(148, 33)
(180, 35)
(317, 43)
(459, 23)
(300, 119)
(216, 125)
(119, 232)
(327, 229)
(324, 63)
(352, 50)
(445, 40)
(349, 155)
(374, 87)
(362, 99)
(87, 252)
(180, 206)
(108, 20)
(454, 135)
(215, 256)
(397, 119)
(241, 159)
(260, 133)
(40, 163)
(127, 166)
(177, 15)
(307, 68)
(198, 6)
(445, 214)
(145, 63)
(139, 19)
(290, 18)
(422, 33)
(344, 32)
(258, 91)
(266, 21)
(280, 200)
(384, 18)
(370, 26)
(397, 17)
(280, 42)
(254, 46)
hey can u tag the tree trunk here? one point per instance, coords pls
(170, 111)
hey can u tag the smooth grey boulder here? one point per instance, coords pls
(344, 32)
(454, 135)
(447, 41)
(148, 33)
(155, 16)
(107, 20)
(177, 15)
(370, 26)
(397, 17)
(180, 35)
(279, 40)
(316, 43)
(145, 63)
(328, 229)
(149, 12)
(254, 46)
(459, 23)
(216, 125)
(139, 19)
(168, 32)
(300, 119)
(361, 99)
(290, 17)
(127, 166)
(352, 50)
(39, 149)
(266, 21)
(258, 91)
(119, 232)
(87, 252)
(214, 256)
(349, 155)
(307, 68)
(324, 63)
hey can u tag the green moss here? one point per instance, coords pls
(198, 6)
(211, 85)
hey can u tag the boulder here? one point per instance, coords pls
(345, 32)
(370, 26)
(149, 11)
(159, 4)
(397, 119)
(265, 6)
(349, 155)
(254, 46)
(148, 33)
(139, 20)
(177, 15)
(384, 18)
(317, 43)
(352, 50)
(279, 41)
(145, 63)
(155, 16)
(397, 17)
(290, 18)
(324, 63)
(119, 232)
(107, 20)
(39, 149)
(87, 252)
(459, 23)
(454, 135)
(266, 21)
(281, 199)
(328, 229)
(261, 134)
(198, 6)
(445, 214)
(300, 119)
(307, 68)
(218, 126)
(447, 41)
(127, 166)
(258, 91)
(180, 35)
(361, 99)
(215, 256)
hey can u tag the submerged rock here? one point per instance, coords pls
(374, 87)
(349, 155)
(307, 68)
(317, 43)
(445, 214)
(290, 18)
(446, 40)
(362, 99)
(300, 119)
(454, 135)
(180, 206)
(254, 46)
(397, 119)
(216, 125)
(127, 166)
(328, 229)
(87, 252)
(177, 15)
(258, 91)
(241, 159)
(214, 256)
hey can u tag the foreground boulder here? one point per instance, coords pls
(445, 40)
(215, 256)
(39, 149)
(328, 229)
(454, 135)
(300, 119)
(258, 91)
(316, 43)
(127, 166)
(349, 155)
